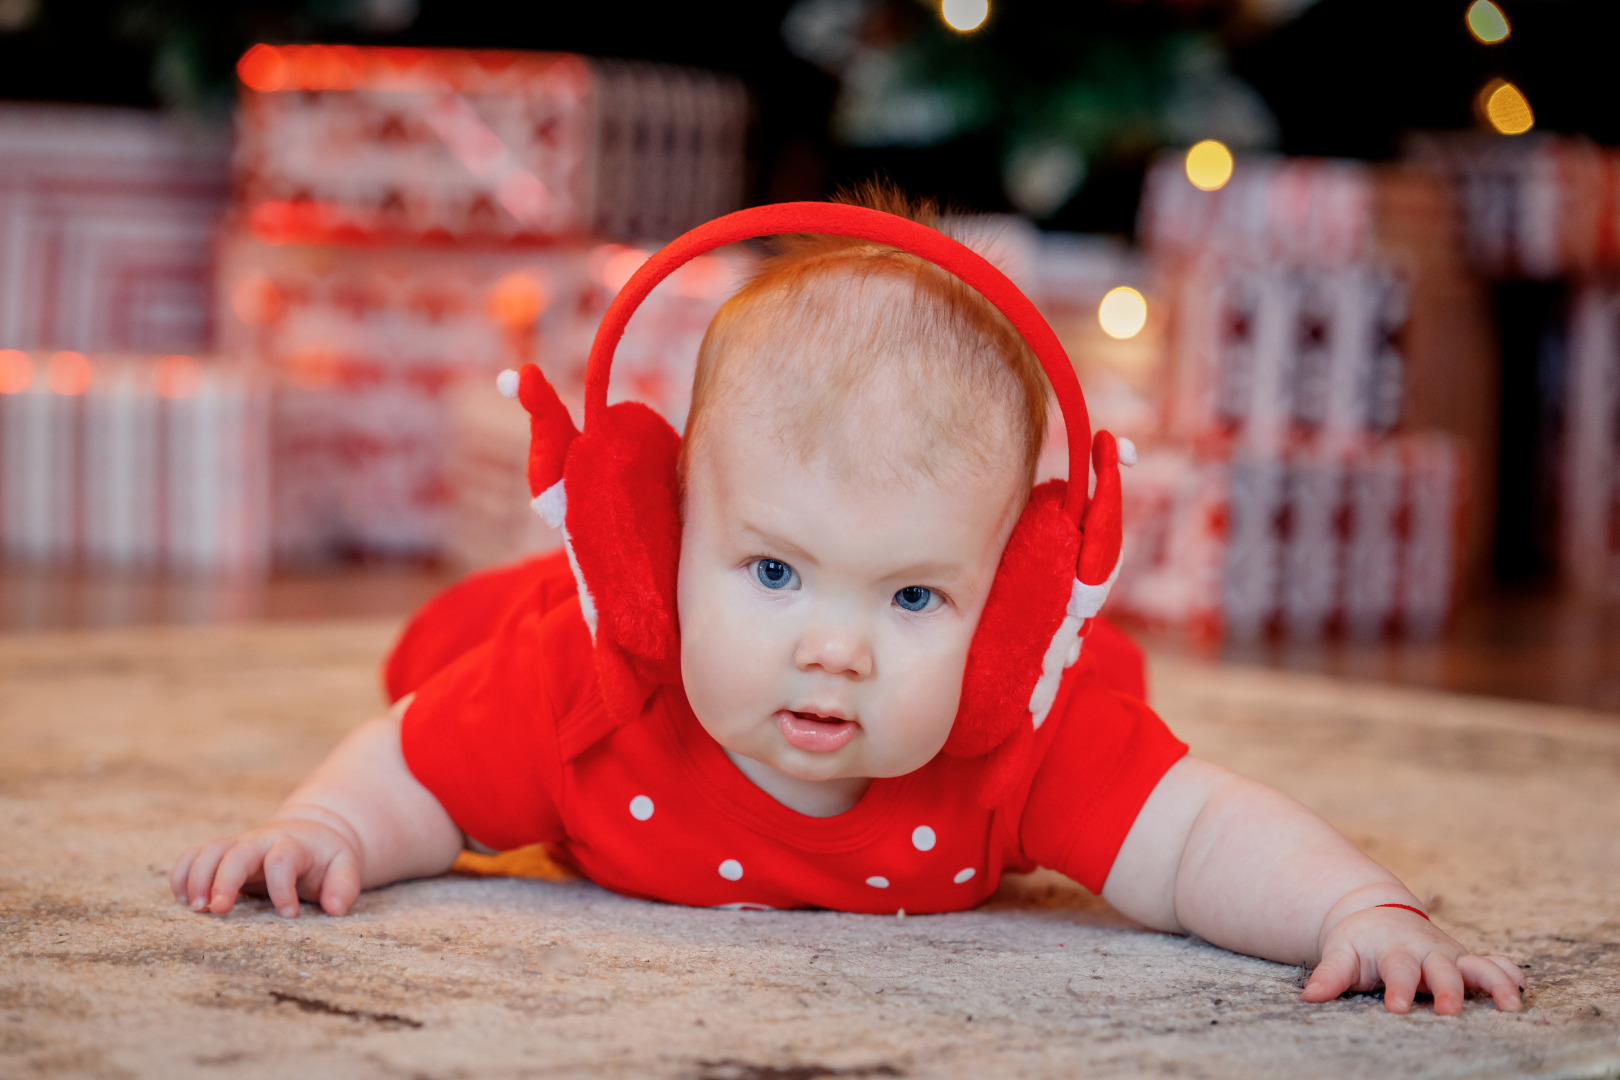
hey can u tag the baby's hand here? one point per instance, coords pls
(289, 859)
(1407, 953)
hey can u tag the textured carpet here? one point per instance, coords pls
(117, 750)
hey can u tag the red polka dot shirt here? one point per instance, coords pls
(509, 731)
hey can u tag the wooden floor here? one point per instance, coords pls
(1532, 646)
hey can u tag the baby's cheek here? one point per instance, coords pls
(925, 705)
(723, 668)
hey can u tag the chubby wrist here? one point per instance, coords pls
(1371, 895)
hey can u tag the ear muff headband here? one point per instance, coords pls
(858, 222)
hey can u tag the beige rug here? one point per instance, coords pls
(117, 750)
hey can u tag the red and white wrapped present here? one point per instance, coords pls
(1274, 353)
(1538, 206)
(107, 218)
(1300, 211)
(1591, 467)
(410, 145)
(130, 460)
(1361, 539)
(364, 346)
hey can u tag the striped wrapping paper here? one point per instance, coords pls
(133, 461)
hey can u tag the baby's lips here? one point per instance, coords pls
(815, 736)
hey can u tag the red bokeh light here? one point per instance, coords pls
(178, 376)
(68, 373)
(16, 371)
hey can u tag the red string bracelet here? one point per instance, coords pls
(1408, 907)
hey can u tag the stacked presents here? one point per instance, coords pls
(291, 355)
(408, 222)
(1287, 497)
(1548, 208)
(121, 441)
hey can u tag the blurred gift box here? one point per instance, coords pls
(133, 461)
(1591, 450)
(1329, 380)
(347, 143)
(365, 346)
(106, 228)
(1538, 206)
(1312, 541)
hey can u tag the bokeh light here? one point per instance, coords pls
(68, 373)
(178, 376)
(16, 371)
(964, 16)
(256, 300)
(1487, 23)
(1209, 165)
(1507, 109)
(517, 300)
(617, 264)
(1122, 313)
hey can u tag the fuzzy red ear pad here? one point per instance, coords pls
(1026, 606)
(624, 522)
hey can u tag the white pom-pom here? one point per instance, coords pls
(507, 383)
(1127, 452)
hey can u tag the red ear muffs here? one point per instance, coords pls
(614, 492)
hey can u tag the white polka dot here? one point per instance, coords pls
(964, 874)
(878, 882)
(731, 870)
(641, 808)
(923, 838)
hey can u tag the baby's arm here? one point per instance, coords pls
(360, 820)
(1249, 869)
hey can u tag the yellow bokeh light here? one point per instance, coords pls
(1487, 23)
(1507, 109)
(964, 16)
(1122, 313)
(1209, 165)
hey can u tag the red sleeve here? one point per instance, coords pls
(1106, 756)
(481, 734)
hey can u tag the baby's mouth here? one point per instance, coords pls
(815, 733)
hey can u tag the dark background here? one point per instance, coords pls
(1344, 77)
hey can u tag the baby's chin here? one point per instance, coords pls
(853, 762)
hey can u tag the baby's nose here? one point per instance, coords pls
(836, 651)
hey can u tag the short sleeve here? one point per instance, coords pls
(1106, 756)
(481, 734)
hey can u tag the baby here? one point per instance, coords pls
(862, 441)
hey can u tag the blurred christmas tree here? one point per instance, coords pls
(1030, 98)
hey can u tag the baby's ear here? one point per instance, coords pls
(551, 429)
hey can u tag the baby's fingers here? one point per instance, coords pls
(1338, 972)
(1444, 982)
(177, 875)
(1401, 972)
(1514, 971)
(1487, 974)
(200, 878)
(239, 864)
(284, 864)
(341, 885)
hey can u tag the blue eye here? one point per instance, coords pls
(775, 574)
(914, 597)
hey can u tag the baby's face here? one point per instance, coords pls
(825, 623)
